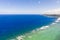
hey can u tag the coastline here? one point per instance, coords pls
(52, 15)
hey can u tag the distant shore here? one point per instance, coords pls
(52, 15)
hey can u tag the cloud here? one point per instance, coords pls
(52, 11)
(19, 12)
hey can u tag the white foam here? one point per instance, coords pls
(46, 26)
(20, 37)
(33, 31)
(58, 20)
(12, 39)
(42, 28)
(38, 29)
(53, 23)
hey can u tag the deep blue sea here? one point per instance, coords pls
(11, 25)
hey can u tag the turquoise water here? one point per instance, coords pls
(50, 33)
(13, 25)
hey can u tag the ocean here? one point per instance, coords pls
(13, 25)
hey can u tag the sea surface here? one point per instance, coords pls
(13, 25)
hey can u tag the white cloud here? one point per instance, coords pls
(19, 12)
(52, 11)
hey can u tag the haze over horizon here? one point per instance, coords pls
(30, 6)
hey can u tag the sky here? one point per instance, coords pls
(29, 6)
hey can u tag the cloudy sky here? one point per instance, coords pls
(30, 6)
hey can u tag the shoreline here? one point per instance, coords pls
(52, 15)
